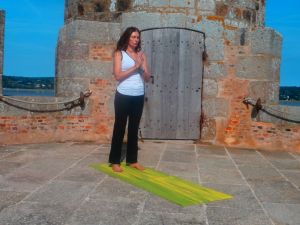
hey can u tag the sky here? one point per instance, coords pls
(32, 26)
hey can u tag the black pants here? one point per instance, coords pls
(131, 108)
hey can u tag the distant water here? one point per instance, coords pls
(290, 103)
(28, 92)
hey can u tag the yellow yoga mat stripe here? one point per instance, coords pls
(171, 188)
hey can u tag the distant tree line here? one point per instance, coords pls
(28, 82)
(289, 93)
(285, 93)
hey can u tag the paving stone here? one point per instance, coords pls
(101, 212)
(159, 205)
(286, 164)
(115, 190)
(171, 219)
(220, 176)
(235, 216)
(276, 191)
(242, 196)
(152, 146)
(149, 159)
(179, 169)
(7, 150)
(248, 157)
(252, 173)
(30, 213)
(179, 156)
(65, 193)
(296, 155)
(180, 147)
(21, 157)
(81, 195)
(8, 198)
(276, 155)
(215, 162)
(8, 167)
(211, 150)
(292, 176)
(80, 174)
(288, 214)
(96, 157)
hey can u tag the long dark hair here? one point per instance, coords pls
(124, 39)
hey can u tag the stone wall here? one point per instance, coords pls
(2, 22)
(237, 13)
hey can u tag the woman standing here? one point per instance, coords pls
(131, 70)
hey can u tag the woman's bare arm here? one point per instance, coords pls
(117, 71)
(146, 74)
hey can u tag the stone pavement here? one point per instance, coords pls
(49, 184)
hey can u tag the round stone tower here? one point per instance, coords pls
(237, 13)
(243, 58)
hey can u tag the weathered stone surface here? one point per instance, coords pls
(214, 70)
(210, 88)
(90, 31)
(67, 86)
(266, 41)
(215, 107)
(72, 50)
(288, 112)
(207, 5)
(83, 68)
(237, 37)
(258, 67)
(227, 215)
(267, 91)
(150, 20)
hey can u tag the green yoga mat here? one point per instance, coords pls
(171, 188)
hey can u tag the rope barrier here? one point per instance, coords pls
(68, 105)
(258, 106)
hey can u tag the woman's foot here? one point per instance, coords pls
(116, 168)
(136, 166)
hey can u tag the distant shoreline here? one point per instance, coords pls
(28, 92)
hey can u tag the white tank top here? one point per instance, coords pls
(134, 84)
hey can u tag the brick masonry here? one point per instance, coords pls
(243, 61)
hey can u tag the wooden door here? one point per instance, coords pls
(173, 98)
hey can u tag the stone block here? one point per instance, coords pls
(82, 68)
(72, 50)
(210, 88)
(141, 20)
(258, 67)
(215, 107)
(182, 3)
(215, 70)
(150, 20)
(266, 41)
(213, 30)
(215, 49)
(280, 115)
(208, 131)
(161, 3)
(90, 31)
(207, 5)
(140, 3)
(268, 91)
(66, 86)
(237, 37)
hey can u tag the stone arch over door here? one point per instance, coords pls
(173, 97)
